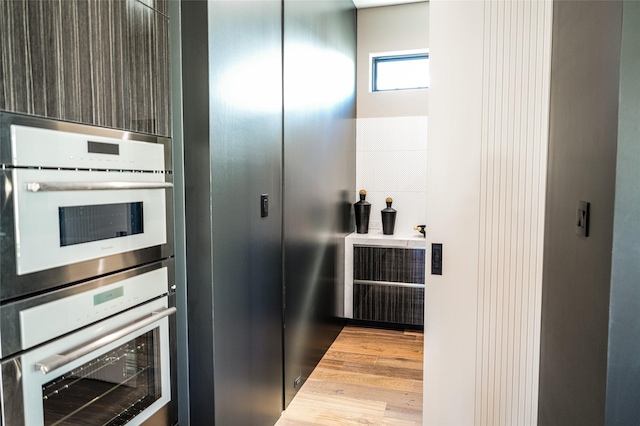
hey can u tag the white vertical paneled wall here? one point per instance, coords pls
(516, 75)
(390, 156)
(487, 157)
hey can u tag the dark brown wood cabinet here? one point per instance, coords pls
(388, 284)
(100, 62)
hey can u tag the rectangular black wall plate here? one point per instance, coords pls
(264, 205)
(436, 259)
(582, 220)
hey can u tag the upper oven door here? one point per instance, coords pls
(61, 221)
(75, 205)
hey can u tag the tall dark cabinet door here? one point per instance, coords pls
(232, 79)
(319, 176)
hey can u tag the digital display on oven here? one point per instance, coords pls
(103, 148)
(107, 296)
(83, 224)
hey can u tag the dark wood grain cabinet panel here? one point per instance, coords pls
(162, 6)
(402, 265)
(384, 303)
(100, 62)
(388, 284)
(149, 73)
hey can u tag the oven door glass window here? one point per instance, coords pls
(110, 389)
(83, 224)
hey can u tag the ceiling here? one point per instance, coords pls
(360, 4)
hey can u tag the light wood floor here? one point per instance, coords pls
(368, 376)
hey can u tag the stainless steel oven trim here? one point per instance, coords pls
(161, 417)
(27, 284)
(12, 408)
(10, 340)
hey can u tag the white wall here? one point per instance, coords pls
(389, 29)
(391, 154)
(391, 131)
(486, 163)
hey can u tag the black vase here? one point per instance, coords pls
(362, 209)
(388, 218)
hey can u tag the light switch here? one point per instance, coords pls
(436, 259)
(264, 205)
(582, 219)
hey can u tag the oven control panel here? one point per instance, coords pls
(50, 320)
(33, 146)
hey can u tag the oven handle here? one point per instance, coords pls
(92, 186)
(53, 362)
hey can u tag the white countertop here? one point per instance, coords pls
(377, 238)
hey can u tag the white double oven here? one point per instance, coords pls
(86, 275)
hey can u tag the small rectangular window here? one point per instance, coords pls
(400, 72)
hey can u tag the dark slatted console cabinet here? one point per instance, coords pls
(386, 283)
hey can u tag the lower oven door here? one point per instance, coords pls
(115, 372)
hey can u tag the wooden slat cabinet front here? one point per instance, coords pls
(388, 284)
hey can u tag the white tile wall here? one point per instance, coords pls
(391, 161)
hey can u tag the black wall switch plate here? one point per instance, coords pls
(264, 205)
(582, 220)
(436, 259)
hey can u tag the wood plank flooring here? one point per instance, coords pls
(368, 376)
